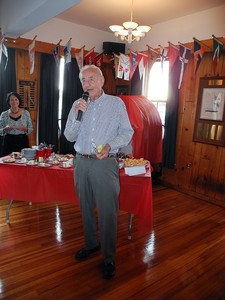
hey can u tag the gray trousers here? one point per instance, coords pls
(97, 186)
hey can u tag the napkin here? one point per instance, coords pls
(135, 170)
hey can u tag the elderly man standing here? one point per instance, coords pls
(100, 130)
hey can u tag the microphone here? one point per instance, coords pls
(80, 113)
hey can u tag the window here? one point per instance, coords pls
(61, 75)
(158, 87)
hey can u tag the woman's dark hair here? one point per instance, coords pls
(14, 94)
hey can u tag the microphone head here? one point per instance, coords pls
(85, 96)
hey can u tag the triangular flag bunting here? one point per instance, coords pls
(31, 50)
(133, 63)
(172, 54)
(142, 62)
(184, 58)
(124, 67)
(67, 53)
(89, 58)
(217, 50)
(163, 55)
(99, 60)
(56, 53)
(3, 49)
(80, 58)
(198, 54)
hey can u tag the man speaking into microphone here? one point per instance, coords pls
(100, 130)
(80, 112)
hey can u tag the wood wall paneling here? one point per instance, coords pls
(200, 168)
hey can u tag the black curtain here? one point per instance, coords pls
(49, 101)
(136, 83)
(72, 90)
(171, 117)
(7, 81)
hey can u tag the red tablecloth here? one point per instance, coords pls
(37, 184)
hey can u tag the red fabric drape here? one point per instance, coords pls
(147, 125)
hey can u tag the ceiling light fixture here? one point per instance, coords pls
(130, 31)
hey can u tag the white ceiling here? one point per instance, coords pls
(100, 14)
(21, 16)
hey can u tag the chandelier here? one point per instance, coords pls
(130, 31)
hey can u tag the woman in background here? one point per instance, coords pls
(15, 125)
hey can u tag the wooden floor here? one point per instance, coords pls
(182, 258)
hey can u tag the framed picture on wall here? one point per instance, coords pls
(212, 104)
(210, 119)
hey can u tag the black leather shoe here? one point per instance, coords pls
(84, 252)
(109, 270)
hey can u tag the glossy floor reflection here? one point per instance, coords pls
(183, 256)
(58, 227)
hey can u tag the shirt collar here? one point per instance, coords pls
(100, 98)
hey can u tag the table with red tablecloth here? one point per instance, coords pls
(23, 182)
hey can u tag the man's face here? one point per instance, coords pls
(92, 83)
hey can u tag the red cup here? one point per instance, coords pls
(48, 152)
(40, 154)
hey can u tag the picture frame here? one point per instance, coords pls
(122, 90)
(212, 104)
(210, 120)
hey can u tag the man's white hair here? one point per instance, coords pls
(90, 67)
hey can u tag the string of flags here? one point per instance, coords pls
(125, 65)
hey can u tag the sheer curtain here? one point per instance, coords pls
(72, 90)
(48, 102)
(7, 81)
(146, 76)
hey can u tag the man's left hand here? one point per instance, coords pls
(104, 153)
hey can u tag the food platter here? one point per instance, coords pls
(32, 163)
(68, 167)
(133, 162)
(65, 161)
(9, 160)
(44, 165)
(21, 161)
(65, 166)
(53, 162)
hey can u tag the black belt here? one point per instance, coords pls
(111, 155)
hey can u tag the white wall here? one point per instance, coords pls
(56, 29)
(200, 25)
